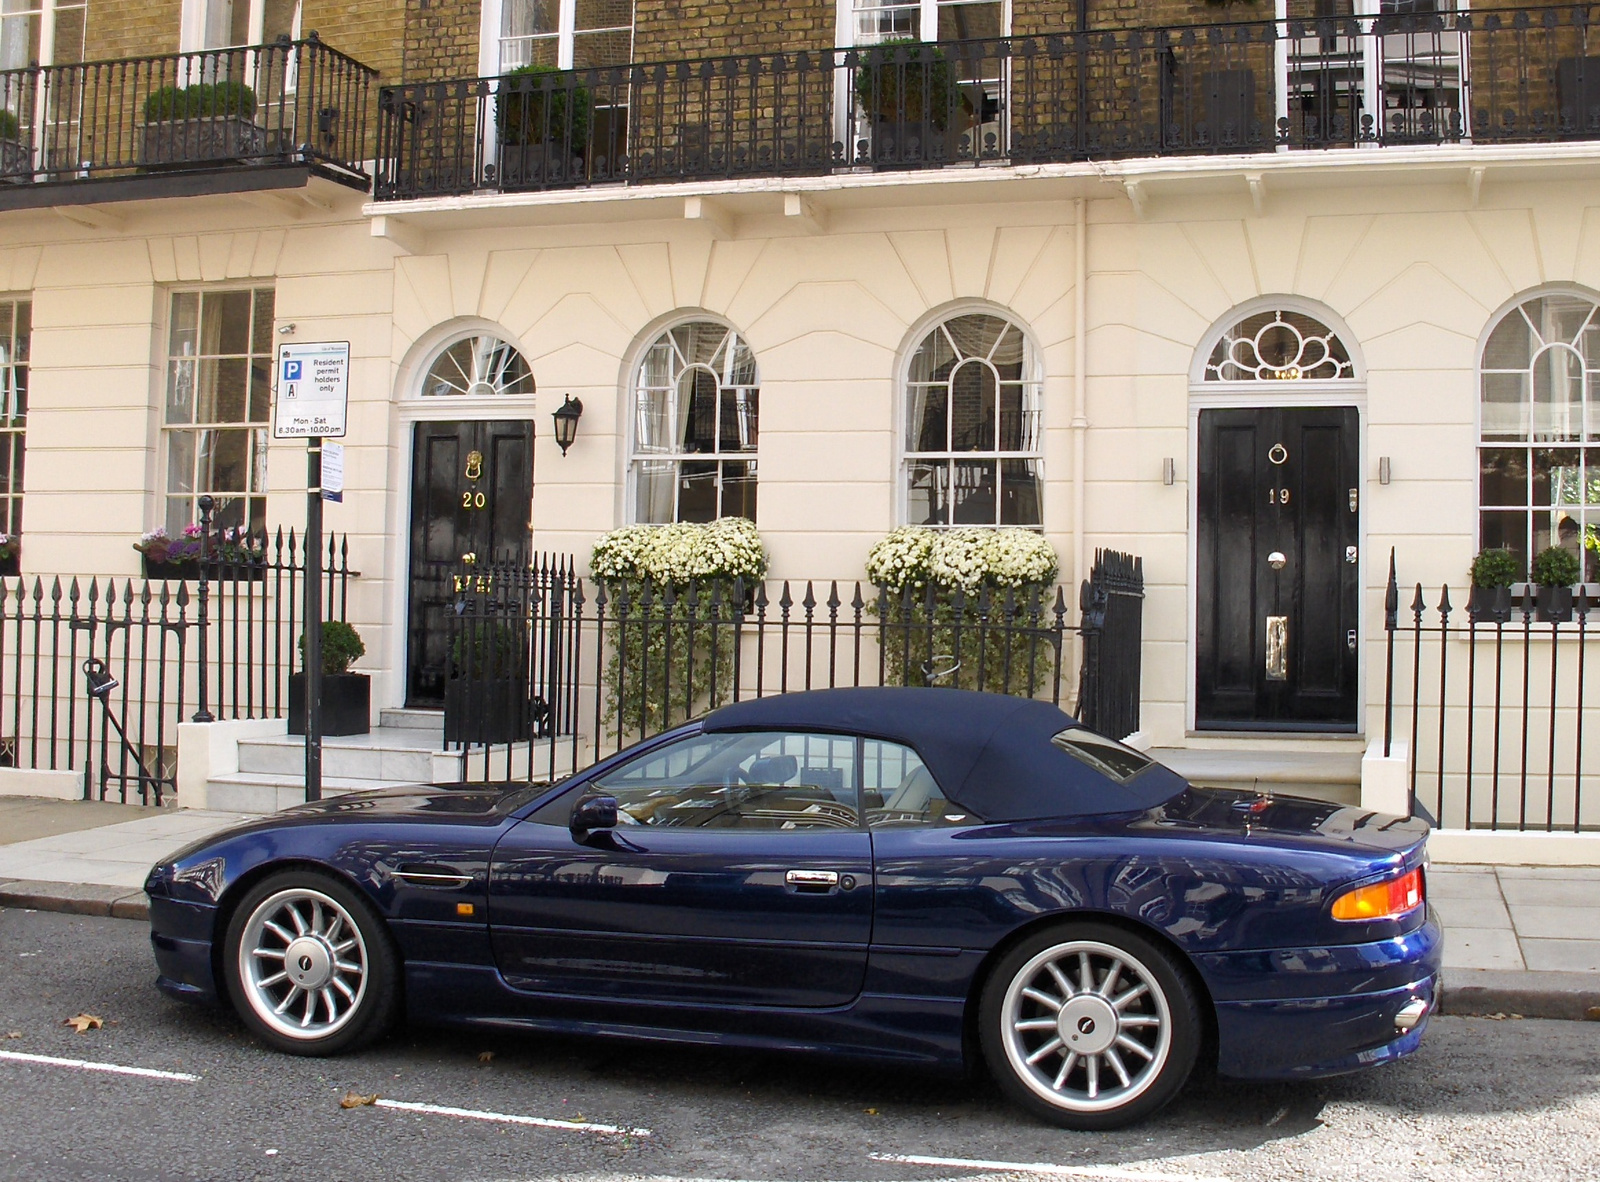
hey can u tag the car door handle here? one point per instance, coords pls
(432, 876)
(812, 880)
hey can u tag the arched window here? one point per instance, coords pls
(1539, 452)
(972, 441)
(1279, 345)
(478, 365)
(695, 396)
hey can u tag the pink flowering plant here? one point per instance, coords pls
(10, 546)
(159, 546)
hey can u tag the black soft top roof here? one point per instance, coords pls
(990, 753)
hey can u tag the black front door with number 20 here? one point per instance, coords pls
(1278, 577)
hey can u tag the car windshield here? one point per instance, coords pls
(1107, 756)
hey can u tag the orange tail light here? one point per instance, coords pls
(1381, 900)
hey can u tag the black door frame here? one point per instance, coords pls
(1350, 395)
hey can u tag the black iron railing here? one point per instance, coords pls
(287, 102)
(1489, 692)
(174, 652)
(1523, 75)
(548, 668)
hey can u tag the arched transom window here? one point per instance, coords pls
(972, 426)
(481, 366)
(1539, 455)
(1279, 345)
(695, 397)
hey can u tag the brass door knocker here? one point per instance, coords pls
(474, 465)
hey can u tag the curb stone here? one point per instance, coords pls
(75, 898)
(1467, 993)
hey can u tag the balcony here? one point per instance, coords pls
(226, 120)
(1509, 76)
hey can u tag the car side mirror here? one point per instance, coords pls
(593, 813)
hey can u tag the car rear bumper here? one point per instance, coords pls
(1353, 1020)
(180, 936)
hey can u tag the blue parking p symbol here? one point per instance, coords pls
(291, 371)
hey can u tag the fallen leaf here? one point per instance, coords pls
(486, 1056)
(85, 1022)
(13, 1034)
(357, 1100)
(872, 1112)
(1592, 1014)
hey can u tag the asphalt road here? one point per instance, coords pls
(1483, 1100)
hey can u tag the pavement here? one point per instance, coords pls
(1520, 940)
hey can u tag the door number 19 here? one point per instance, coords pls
(1277, 496)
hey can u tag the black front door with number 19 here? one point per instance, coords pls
(471, 493)
(1279, 500)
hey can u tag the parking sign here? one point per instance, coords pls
(313, 390)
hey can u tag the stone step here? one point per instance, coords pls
(410, 719)
(410, 756)
(246, 792)
(1324, 775)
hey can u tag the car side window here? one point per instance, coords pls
(899, 791)
(751, 780)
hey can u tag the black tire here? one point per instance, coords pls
(338, 984)
(1152, 1034)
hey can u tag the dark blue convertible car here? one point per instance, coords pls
(933, 877)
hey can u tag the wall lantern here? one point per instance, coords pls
(566, 417)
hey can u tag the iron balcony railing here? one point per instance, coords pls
(287, 102)
(1525, 75)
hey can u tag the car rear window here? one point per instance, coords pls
(1106, 756)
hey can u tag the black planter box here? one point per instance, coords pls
(487, 710)
(1555, 605)
(346, 703)
(213, 139)
(1490, 605)
(185, 568)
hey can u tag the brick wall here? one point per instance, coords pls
(370, 31)
(441, 39)
(672, 30)
(132, 28)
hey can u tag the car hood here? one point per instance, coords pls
(468, 803)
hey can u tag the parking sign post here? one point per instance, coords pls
(312, 403)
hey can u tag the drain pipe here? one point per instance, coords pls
(1080, 388)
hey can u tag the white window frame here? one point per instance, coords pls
(634, 457)
(194, 34)
(493, 13)
(1033, 375)
(927, 19)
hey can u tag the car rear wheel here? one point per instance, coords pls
(310, 966)
(1089, 1026)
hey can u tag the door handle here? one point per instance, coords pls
(1277, 648)
(812, 880)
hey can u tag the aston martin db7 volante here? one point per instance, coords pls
(938, 878)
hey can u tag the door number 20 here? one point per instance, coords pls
(473, 500)
(1277, 496)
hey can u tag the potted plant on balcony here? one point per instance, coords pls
(542, 116)
(236, 555)
(16, 158)
(1555, 570)
(1493, 572)
(207, 123)
(346, 696)
(486, 698)
(904, 81)
(168, 557)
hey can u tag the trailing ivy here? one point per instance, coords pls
(969, 608)
(674, 592)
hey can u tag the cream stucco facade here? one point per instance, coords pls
(831, 282)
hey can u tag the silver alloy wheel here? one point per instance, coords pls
(302, 963)
(1086, 1026)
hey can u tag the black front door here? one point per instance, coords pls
(1278, 594)
(471, 493)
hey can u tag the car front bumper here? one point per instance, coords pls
(180, 936)
(1328, 1012)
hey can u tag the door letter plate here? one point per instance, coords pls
(1277, 648)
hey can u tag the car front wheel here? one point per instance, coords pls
(1089, 1026)
(309, 965)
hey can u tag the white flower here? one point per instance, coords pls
(965, 559)
(681, 553)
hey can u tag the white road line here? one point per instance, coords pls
(543, 1122)
(1054, 1171)
(113, 1068)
